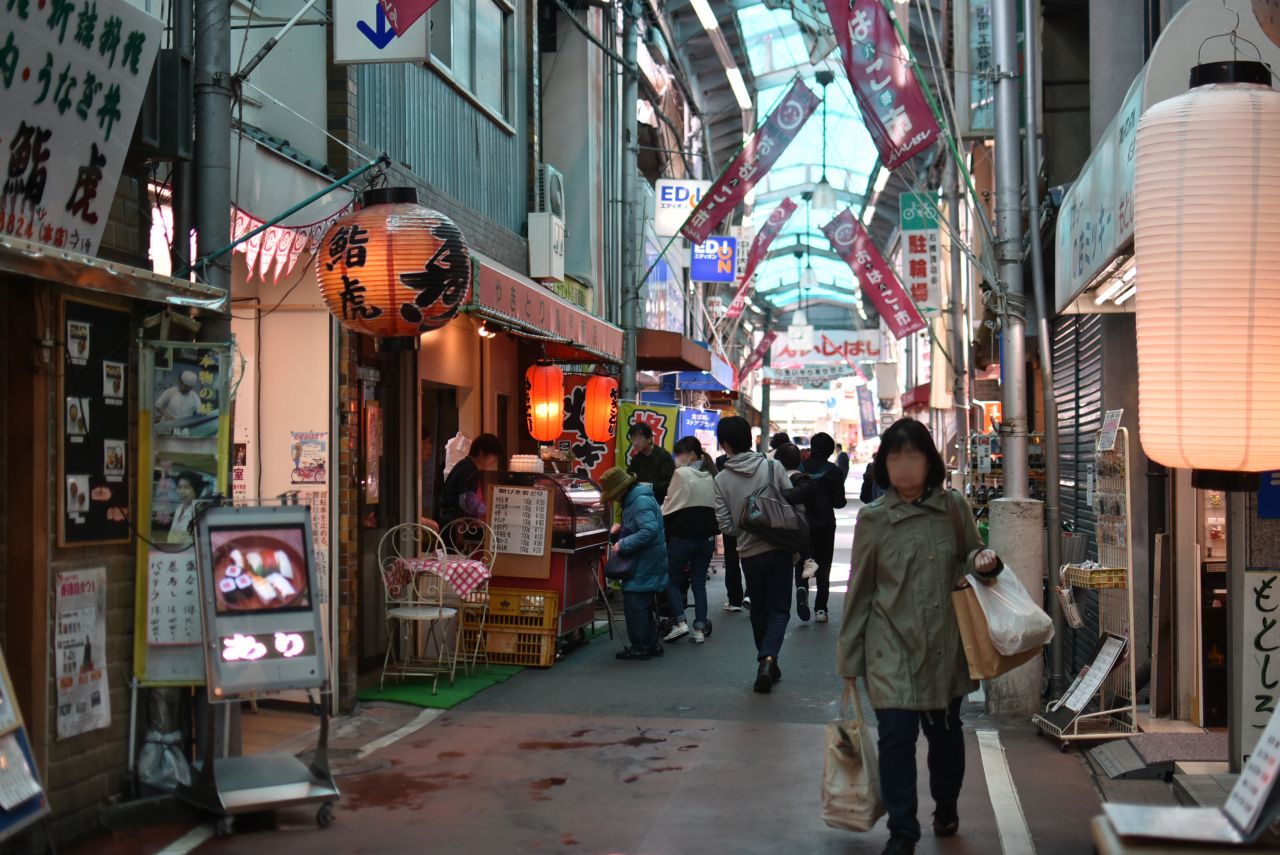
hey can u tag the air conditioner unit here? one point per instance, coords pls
(546, 247)
(549, 195)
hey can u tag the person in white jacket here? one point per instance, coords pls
(689, 516)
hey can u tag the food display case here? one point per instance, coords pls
(551, 533)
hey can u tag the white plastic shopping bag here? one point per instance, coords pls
(851, 770)
(454, 451)
(1016, 623)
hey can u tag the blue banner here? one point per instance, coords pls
(716, 260)
(699, 423)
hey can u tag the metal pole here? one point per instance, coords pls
(1052, 500)
(959, 318)
(766, 433)
(630, 226)
(183, 200)
(1008, 157)
(213, 148)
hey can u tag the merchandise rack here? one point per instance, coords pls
(1114, 702)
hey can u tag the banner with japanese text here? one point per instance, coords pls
(894, 106)
(832, 347)
(662, 419)
(757, 355)
(921, 249)
(867, 413)
(853, 244)
(593, 458)
(74, 80)
(759, 247)
(753, 162)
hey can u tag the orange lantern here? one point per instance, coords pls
(600, 412)
(393, 267)
(544, 392)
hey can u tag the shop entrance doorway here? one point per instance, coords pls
(439, 425)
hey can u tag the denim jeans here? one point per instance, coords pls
(769, 582)
(640, 620)
(695, 556)
(822, 544)
(899, 732)
(732, 571)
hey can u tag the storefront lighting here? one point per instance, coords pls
(394, 268)
(601, 408)
(485, 332)
(1207, 237)
(1126, 295)
(544, 391)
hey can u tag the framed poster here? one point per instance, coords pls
(93, 498)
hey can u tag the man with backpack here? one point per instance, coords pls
(828, 497)
(768, 568)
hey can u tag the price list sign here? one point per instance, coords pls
(173, 599)
(520, 520)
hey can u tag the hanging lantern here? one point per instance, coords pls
(393, 267)
(544, 392)
(600, 410)
(1207, 246)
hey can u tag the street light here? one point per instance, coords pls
(824, 195)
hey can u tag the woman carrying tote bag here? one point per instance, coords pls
(900, 633)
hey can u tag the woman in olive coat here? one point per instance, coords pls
(900, 633)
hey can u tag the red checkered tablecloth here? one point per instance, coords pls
(464, 575)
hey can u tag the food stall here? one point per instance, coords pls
(551, 532)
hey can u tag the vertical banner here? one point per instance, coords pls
(894, 106)
(921, 259)
(1261, 633)
(701, 424)
(757, 355)
(80, 639)
(752, 163)
(853, 244)
(759, 247)
(867, 413)
(594, 458)
(663, 419)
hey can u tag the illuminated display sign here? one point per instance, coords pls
(243, 647)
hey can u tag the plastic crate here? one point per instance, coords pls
(1097, 578)
(535, 648)
(510, 609)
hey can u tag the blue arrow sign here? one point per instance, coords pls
(382, 36)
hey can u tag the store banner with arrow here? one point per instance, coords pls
(403, 14)
(364, 31)
(853, 244)
(759, 247)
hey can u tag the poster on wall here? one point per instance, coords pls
(188, 400)
(662, 419)
(93, 447)
(80, 642)
(309, 451)
(593, 458)
(700, 424)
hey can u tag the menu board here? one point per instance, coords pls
(520, 520)
(173, 607)
(93, 426)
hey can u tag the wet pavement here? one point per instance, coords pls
(662, 757)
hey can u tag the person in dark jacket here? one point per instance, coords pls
(736, 599)
(803, 495)
(650, 463)
(842, 460)
(777, 441)
(821, 512)
(642, 537)
(871, 490)
(689, 516)
(459, 500)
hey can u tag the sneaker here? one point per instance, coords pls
(900, 846)
(764, 677)
(630, 654)
(820, 616)
(730, 607)
(677, 632)
(746, 603)
(697, 636)
(946, 821)
(802, 604)
(810, 569)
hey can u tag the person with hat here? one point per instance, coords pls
(180, 401)
(642, 539)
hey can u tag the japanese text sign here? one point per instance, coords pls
(843, 347)
(1261, 662)
(918, 224)
(757, 356)
(752, 163)
(73, 82)
(852, 243)
(714, 260)
(893, 104)
(675, 199)
(867, 413)
(772, 227)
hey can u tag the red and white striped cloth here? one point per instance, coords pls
(464, 575)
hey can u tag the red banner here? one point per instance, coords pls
(894, 107)
(759, 247)
(757, 356)
(401, 14)
(752, 163)
(852, 243)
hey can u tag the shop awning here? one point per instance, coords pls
(658, 350)
(572, 333)
(39, 261)
(917, 397)
(718, 379)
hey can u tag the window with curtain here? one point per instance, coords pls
(471, 42)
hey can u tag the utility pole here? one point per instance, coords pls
(183, 199)
(766, 433)
(213, 150)
(630, 203)
(959, 318)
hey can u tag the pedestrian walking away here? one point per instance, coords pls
(767, 568)
(899, 632)
(689, 516)
(801, 495)
(640, 537)
(735, 596)
(650, 463)
(828, 497)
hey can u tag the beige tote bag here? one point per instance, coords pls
(851, 770)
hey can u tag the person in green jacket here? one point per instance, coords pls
(899, 631)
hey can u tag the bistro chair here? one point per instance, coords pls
(417, 614)
(473, 540)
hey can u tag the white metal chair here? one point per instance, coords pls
(417, 614)
(473, 539)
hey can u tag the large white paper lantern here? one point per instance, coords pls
(1207, 241)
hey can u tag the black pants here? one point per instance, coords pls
(641, 629)
(899, 732)
(822, 544)
(769, 583)
(732, 571)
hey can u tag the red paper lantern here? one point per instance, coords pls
(600, 410)
(544, 394)
(393, 267)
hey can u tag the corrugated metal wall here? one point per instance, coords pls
(1077, 386)
(414, 115)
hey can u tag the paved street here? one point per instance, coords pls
(666, 756)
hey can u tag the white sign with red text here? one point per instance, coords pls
(830, 346)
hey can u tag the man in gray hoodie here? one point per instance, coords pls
(767, 568)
